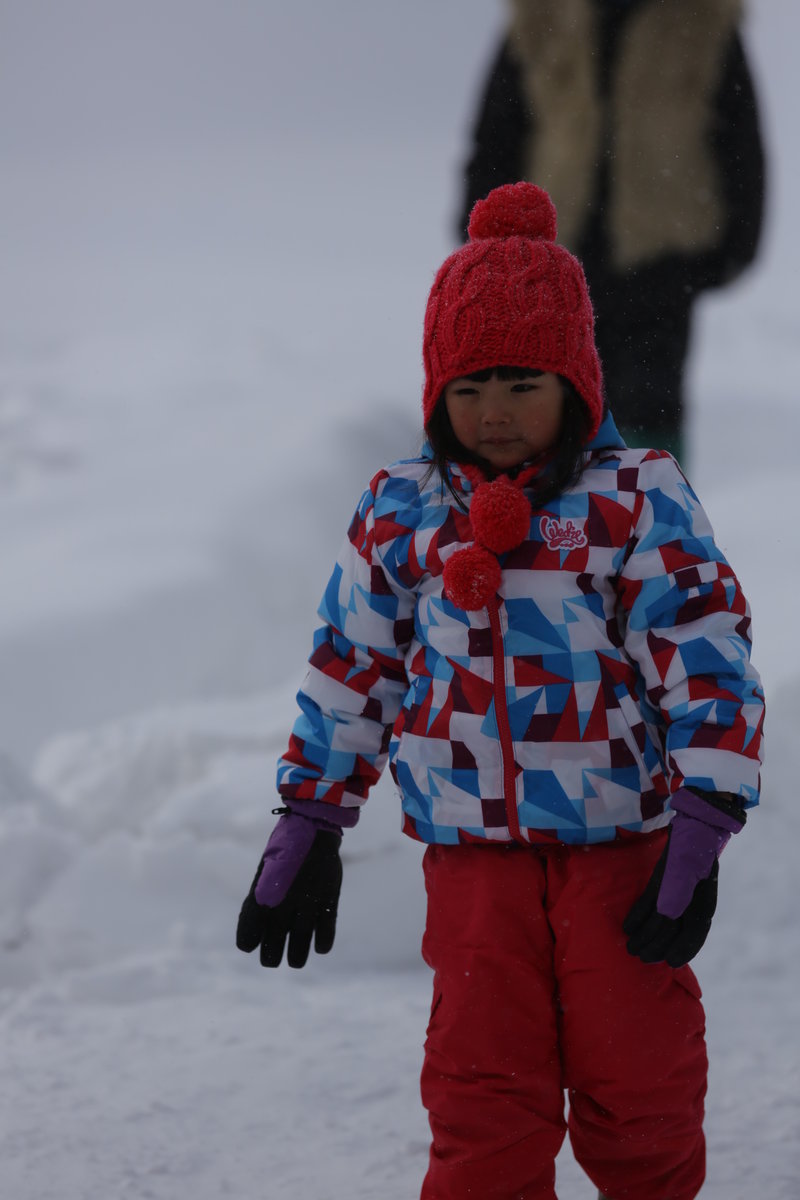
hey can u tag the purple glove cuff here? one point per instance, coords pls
(326, 816)
(288, 845)
(291, 840)
(688, 802)
(698, 835)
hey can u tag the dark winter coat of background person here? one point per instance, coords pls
(641, 120)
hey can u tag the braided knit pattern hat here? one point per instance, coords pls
(512, 297)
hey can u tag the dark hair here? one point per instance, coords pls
(563, 470)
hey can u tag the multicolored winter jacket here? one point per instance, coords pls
(611, 669)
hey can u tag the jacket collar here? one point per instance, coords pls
(608, 437)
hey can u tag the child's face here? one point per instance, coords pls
(506, 421)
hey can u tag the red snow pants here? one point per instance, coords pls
(535, 994)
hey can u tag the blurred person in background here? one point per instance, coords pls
(640, 118)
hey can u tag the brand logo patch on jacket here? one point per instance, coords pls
(561, 537)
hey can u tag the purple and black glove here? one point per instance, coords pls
(671, 919)
(295, 892)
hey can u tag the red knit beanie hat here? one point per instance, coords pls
(512, 297)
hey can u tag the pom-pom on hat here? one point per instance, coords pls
(513, 297)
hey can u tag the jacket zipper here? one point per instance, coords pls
(503, 723)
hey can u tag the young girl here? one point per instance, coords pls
(535, 626)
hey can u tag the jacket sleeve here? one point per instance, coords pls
(500, 132)
(356, 679)
(737, 145)
(686, 624)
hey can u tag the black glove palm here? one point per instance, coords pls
(652, 937)
(307, 911)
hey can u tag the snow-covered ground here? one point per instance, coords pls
(221, 223)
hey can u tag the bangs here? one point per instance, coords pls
(504, 373)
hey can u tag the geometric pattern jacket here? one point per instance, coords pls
(611, 668)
